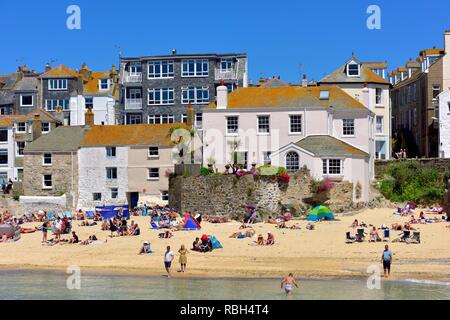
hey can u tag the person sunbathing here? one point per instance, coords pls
(270, 220)
(97, 217)
(355, 224)
(397, 227)
(296, 226)
(165, 235)
(374, 237)
(281, 225)
(422, 218)
(270, 239)
(260, 241)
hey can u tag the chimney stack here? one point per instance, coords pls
(365, 96)
(84, 71)
(113, 74)
(36, 126)
(174, 51)
(446, 60)
(222, 96)
(89, 118)
(190, 116)
(48, 67)
(304, 81)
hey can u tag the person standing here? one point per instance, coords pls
(168, 258)
(386, 260)
(289, 283)
(44, 231)
(183, 258)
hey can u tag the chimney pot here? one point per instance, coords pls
(304, 81)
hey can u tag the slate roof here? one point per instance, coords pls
(61, 139)
(128, 135)
(324, 145)
(61, 72)
(9, 120)
(366, 76)
(290, 97)
(27, 84)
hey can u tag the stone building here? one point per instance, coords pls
(51, 164)
(158, 89)
(415, 105)
(16, 132)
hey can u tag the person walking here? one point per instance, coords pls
(386, 260)
(168, 258)
(288, 283)
(183, 258)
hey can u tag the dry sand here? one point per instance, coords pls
(318, 253)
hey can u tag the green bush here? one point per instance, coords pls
(410, 181)
(205, 171)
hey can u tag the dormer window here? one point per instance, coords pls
(104, 84)
(353, 70)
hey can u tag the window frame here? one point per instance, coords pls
(149, 174)
(44, 159)
(59, 84)
(287, 165)
(44, 186)
(291, 116)
(6, 135)
(187, 73)
(153, 155)
(94, 194)
(170, 74)
(349, 71)
(326, 165)
(116, 191)
(170, 92)
(379, 97)
(108, 84)
(110, 173)
(346, 127)
(160, 118)
(381, 132)
(263, 125)
(18, 154)
(26, 95)
(55, 103)
(21, 131)
(111, 152)
(229, 62)
(235, 132)
(164, 193)
(195, 90)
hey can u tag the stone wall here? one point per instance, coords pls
(55, 204)
(64, 171)
(227, 194)
(438, 163)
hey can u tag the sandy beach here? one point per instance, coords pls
(318, 253)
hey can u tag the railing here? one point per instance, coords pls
(132, 77)
(133, 104)
(225, 74)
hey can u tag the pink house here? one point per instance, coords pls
(322, 128)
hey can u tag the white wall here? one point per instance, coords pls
(9, 168)
(354, 169)
(446, 61)
(92, 176)
(103, 110)
(444, 124)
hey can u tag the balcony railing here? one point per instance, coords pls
(225, 74)
(132, 77)
(133, 104)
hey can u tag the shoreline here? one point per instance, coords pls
(202, 275)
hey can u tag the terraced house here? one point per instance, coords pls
(355, 77)
(16, 132)
(415, 101)
(322, 128)
(158, 89)
(98, 164)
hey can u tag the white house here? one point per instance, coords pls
(444, 124)
(277, 125)
(354, 77)
(100, 93)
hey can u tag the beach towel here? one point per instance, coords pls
(154, 225)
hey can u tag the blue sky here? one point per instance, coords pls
(284, 37)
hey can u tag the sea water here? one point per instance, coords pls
(28, 284)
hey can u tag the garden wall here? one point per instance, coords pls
(227, 194)
(437, 163)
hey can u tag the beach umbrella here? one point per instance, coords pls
(320, 212)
